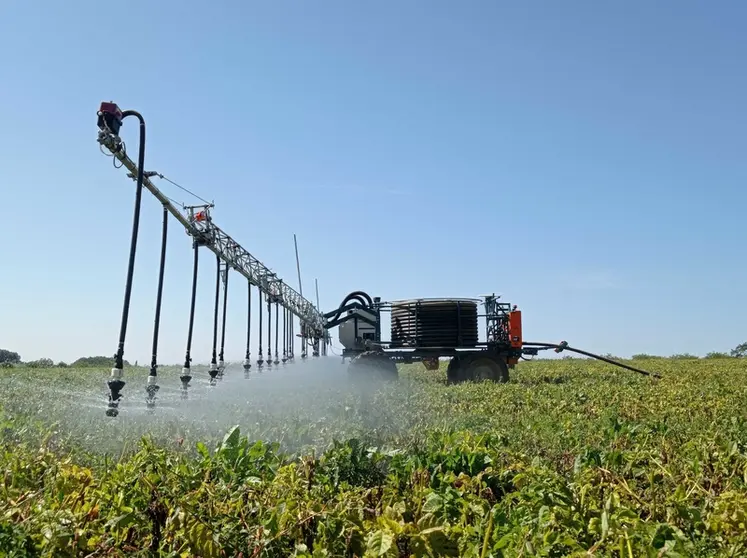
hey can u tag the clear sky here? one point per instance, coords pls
(584, 159)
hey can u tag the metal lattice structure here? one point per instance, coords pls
(198, 223)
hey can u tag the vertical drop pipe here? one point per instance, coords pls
(277, 327)
(304, 342)
(152, 387)
(213, 370)
(269, 331)
(116, 382)
(290, 335)
(186, 375)
(221, 355)
(285, 335)
(248, 355)
(260, 362)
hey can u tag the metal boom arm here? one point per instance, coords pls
(227, 249)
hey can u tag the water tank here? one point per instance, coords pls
(434, 322)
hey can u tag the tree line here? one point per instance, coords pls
(9, 359)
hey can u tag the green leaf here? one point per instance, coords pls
(202, 450)
(605, 523)
(231, 439)
(379, 543)
(440, 542)
(433, 503)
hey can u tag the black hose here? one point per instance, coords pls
(159, 294)
(119, 358)
(223, 324)
(564, 347)
(259, 360)
(277, 328)
(248, 323)
(363, 298)
(116, 383)
(188, 356)
(359, 295)
(285, 334)
(213, 360)
(291, 340)
(269, 331)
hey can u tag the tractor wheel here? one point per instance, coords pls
(452, 371)
(373, 365)
(479, 367)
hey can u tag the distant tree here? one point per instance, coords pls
(41, 363)
(683, 356)
(62, 364)
(9, 357)
(740, 351)
(95, 362)
(643, 356)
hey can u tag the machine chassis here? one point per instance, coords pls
(486, 360)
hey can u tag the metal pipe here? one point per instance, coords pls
(564, 347)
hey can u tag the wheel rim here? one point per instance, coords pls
(483, 369)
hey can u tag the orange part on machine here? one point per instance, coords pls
(514, 329)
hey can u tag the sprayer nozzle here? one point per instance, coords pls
(151, 389)
(115, 387)
(185, 379)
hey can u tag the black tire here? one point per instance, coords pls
(452, 371)
(373, 365)
(479, 367)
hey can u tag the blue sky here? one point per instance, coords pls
(584, 159)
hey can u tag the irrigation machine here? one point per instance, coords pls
(422, 330)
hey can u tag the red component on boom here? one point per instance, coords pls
(514, 329)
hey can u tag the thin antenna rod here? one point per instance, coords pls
(298, 266)
(316, 284)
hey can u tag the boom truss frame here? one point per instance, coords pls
(200, 226)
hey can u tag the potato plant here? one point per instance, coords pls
(571, 458)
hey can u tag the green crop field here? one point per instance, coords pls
(571, 458)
